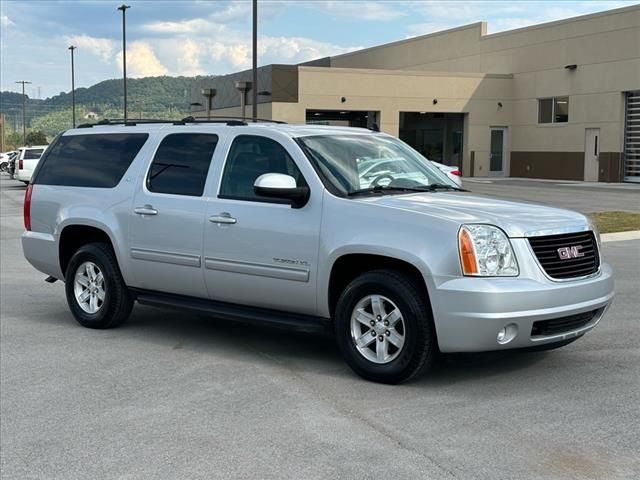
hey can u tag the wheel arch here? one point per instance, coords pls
(348, 266)
(75, 235)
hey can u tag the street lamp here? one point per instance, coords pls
(209, 93)
(254, 94)
(24, 109)
(73, 89)
(243, 88)
(123, 8)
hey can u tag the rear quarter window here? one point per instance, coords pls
(98, 160)
(33, 153)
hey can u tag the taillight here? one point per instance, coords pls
(21, 165)
(27, 207)
(455, 172)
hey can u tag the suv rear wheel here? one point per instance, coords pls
(384, 328)
(96, 293)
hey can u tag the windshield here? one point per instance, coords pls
(349, 164)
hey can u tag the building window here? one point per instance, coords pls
(553, 110)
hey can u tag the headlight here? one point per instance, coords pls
(593, 227)
(485, 251)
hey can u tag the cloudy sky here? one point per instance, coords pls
(192, 37)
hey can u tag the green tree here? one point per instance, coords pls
(36, 137)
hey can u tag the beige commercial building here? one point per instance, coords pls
(558, 100)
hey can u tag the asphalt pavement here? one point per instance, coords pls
(581, 196)
(181, 396)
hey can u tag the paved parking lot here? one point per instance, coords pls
(581, 196)
(183, 396)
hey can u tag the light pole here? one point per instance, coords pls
(123, 8)
(24, 109)
(254, 96)
(243, 88)
(73, 89)
(209, 93)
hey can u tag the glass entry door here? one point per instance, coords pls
(498, 151)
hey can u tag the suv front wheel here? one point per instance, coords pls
(384, 328)
(96, 292)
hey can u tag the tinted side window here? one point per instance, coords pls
(98, 160)
(33, 153)
(249, 157)
(181, 164)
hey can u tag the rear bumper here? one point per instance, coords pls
(469, 312)
(24, 175)
(41, 251)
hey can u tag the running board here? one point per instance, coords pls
(237, 313)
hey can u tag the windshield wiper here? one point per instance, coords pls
(442, 186)
(383, 189)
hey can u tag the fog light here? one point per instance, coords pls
(506, 334)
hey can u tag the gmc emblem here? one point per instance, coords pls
(567, 253)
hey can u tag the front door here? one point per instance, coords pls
(168, 216)
(259, 251)
(498, 151)
(591, 154)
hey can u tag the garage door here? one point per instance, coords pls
(632, 138)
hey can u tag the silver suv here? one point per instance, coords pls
(311, 228)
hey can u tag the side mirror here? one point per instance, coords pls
(278, 185)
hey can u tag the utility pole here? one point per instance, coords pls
(123, 8)
(254, 92)
(24, 110)
(3, 130)
(73, 89)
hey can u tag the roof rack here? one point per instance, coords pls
(224, 118)
(231, 121)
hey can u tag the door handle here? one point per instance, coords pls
(146, 210)
(223, 218)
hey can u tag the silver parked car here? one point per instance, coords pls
(296, 226)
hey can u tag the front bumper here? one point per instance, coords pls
(469, 312)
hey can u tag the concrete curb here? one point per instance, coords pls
(620, 236)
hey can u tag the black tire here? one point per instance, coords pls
(420, 344)
(118, 301)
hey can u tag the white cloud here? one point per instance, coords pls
(102, 47)
(189, 61)
(5, 21)
(142, 61)
(364, 10)
(233, 12)
(186, 26)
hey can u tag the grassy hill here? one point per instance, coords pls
(153, 97)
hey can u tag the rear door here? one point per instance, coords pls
(167, 217)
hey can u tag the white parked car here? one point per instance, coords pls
(27, 162)
(452, 172)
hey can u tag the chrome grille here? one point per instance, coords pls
(568, 255)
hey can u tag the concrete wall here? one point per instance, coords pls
(392, 92)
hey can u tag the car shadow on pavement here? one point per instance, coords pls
(301, 351)
(20, 186)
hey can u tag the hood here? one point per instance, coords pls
(517, 219)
